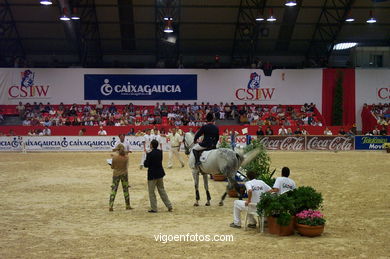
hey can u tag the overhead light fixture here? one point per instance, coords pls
(46, 2)
(349, 17)
(75, 15)
(371, 19)
(271, 17)
(168, 18)
(344, 45)
(260, 18)
(64, 16)
(290, 3)
(168, 27)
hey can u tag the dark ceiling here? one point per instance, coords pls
(128, 33)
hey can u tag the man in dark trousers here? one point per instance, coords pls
(156, 173)
(210, 134)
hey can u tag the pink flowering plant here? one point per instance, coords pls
(310, 217)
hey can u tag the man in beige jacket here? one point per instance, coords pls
(175, 140)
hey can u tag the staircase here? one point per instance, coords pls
(10, 120)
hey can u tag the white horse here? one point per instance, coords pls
(219, 161)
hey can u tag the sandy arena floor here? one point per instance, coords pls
(56, 205)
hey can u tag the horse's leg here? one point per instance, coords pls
(206, 187)
(222, 199)
(195, 175)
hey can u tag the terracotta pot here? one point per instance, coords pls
(276, 229)
(273, 227)
(309, 231)
(219, 177)
(233, 193)
(288, 230)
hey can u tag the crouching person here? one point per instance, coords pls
(254, 189)
(156, 173)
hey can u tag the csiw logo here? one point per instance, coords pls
(27, 88)
(253, 90)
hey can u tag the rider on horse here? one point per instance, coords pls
(210, 134)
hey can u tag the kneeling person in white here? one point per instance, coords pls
(254, 188)
(283, 184)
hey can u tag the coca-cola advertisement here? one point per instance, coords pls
(293, 143)
(332, 143)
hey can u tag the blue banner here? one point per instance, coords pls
(370, 142)
(140, 87)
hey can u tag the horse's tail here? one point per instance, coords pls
(248, 157)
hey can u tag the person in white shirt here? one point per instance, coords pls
(254, 188)
(156, 136)
(123, 142)
(284, 184)
(328, 132)
(175, 141)
(146, 146)
(282, 131)
(46, 131)
(102, 132)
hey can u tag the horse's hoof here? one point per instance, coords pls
(207, 204)
(221, 204)
(196, 204)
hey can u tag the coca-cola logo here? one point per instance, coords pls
(283, 143)
(329, 143)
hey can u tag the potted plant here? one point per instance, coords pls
(310, 223)
(279, 212)
(261, 163)
(305, 198)
(387, 147)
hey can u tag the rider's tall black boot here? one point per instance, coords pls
(197, 157)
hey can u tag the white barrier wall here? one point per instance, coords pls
(214, 85)
(372, 87)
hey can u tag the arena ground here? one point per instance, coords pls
(56, 205)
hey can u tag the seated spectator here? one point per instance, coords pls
(254, 188)
(383, 131)
(289, 132)
(269, 131)
(31, 133)
(282, 131)
(82, 132)
(304, 132)
(376, 131)
(26, 122)
(260, 131)
(283, 184)
(131, 132)
(297, 131)
(342, 131)
(328, 132)
(102, 132)
(46, 131)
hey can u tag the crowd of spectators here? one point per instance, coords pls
(173, 115)
(381, 112)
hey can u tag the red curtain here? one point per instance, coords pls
(329, 76)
